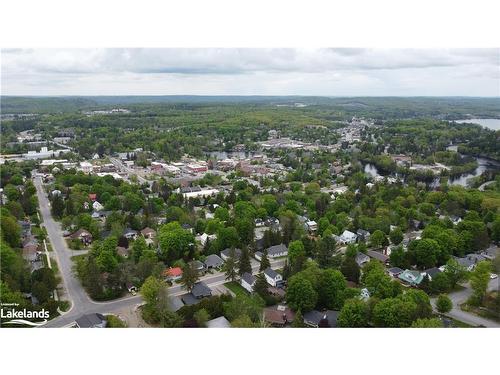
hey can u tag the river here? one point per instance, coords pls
(490, 123)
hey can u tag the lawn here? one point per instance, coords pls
(236, 288)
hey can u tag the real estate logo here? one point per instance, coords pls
(22, 317)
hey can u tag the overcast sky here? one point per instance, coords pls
(327, 72)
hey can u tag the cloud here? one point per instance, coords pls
(256, 71)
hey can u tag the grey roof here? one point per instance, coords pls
(196, 264)
(362, 258)
(465, 262)
(276, 249)
(432, 271)
(376, 255)
(188, 299)
(248, 278)
(90, 320)
(314, 317)
(227, 252)
(201, 290)
(271, 273)
(395, 270)
(362, 232)
(175, 303)
(213, 260)
(220, 322)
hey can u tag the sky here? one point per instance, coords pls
(229, 71)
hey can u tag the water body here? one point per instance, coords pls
(490, 123)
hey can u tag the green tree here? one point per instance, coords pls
(479, 280)
(440, 283)
(427, 323)
(331, 289)
(393, 313)
(58, 206)
(443, 304)
(264, 261)
(300, 293)
(11, 232)
(298, 321)
(229, 267)
(201, 316)
(455, 272)
(295, 251)
(378, 239)
(396, 236)
(174, 241)
(189, 277)
(354, 314)
(139, 247)
(244, 264)
(350, 269)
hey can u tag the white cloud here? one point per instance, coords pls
(251, 71)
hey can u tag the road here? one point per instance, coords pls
(460, 297)
(73, 290)
(481, 188)
(122, 167)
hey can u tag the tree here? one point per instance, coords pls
(295, 251)
(244, 264)
(139, 247)
(440, 283)
(350, 269)
(150, 290)
(331, 289)
(58, 206)
(245, 229)
(11, 231)
(354, 314)
(421, 299)
(455, 272)
(201, 316)
(393, 313)
(479, 280)
(243, 321)
(396, 236)
(425, 252)
(244, 305)
(300, 293)
(399, 258)
(427, 323)
(189, 277)
(325, 251)
(229, 267)
(298, 321)
(378, 239)
(444, 304)
(174, 241)
(261, 287)
(264, 261)
(495, 230)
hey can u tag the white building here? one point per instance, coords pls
(273, 278)
(97, 206)
(248, 281)
(86, 167)
(348, 237)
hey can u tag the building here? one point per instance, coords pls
(273, 278)
(213, 261)
(172, 274)
(198, 266)
(220, 322)
(226, 254)
(312, 226)
(412, 278)
(321, 319)
(247, 281)
(348, 237)
(148, 233)
(362, 259)
(278, 315)
(83, 235)
(363, 235)
(277, 251)
(196, 168)
(94, 320)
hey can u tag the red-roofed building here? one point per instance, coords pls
(172, 274)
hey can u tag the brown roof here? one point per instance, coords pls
(122, 251)
(81, 232)
(279, 315)
(147, 231)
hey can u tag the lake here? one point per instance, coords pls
(490, 123)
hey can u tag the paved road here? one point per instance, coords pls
(481, 188)
(73, 289)
(460, 297)
(122, 167)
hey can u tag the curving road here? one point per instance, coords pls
(73, 290)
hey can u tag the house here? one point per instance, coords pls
(491, 252)
(213, 261)
(378, 256)
(220, 322)
(364, 294)
(206, 237)
(412, 278)
(361, 259)
(278, 315)
(431, 272)
(312, 226)
(201, 290)
(97, 206)
(259, 223)
(187, 227)
(175, 303)
(394, 271)
(469, 261)
(130, 234)
(83, 235)
(247, 281)
(172, 274)
(348, 237)
(198, 266)
(363, 235)
(25, 228)
(148, 233)
(226, 254)
(122, 251)
(94, 320)
(31, 252)
(321, 319)
(273, 278)
(277, 251)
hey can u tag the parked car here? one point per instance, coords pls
(493, 276)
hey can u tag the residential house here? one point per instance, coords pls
(321, 319)
(431, 272)
(394, 271)
(130, 234)
(226, 254)
(213, 261)
(364, 294)
(198, 266)
(94, 320)
(172, 274)
(363, 235)
(122, 251)
(31, 252)
(361, 259)
(278, 315)
(83, 235)
(206, 237)
(273, 278)
(199, 291)
(220, 322)
(277, 251)
(97, 206)
(348, 237)
(187, 227)
(378, 256)
(312, 226)
(175, 303)
(247, 281)
(491, 252)
(410, 277)
(148, 233)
